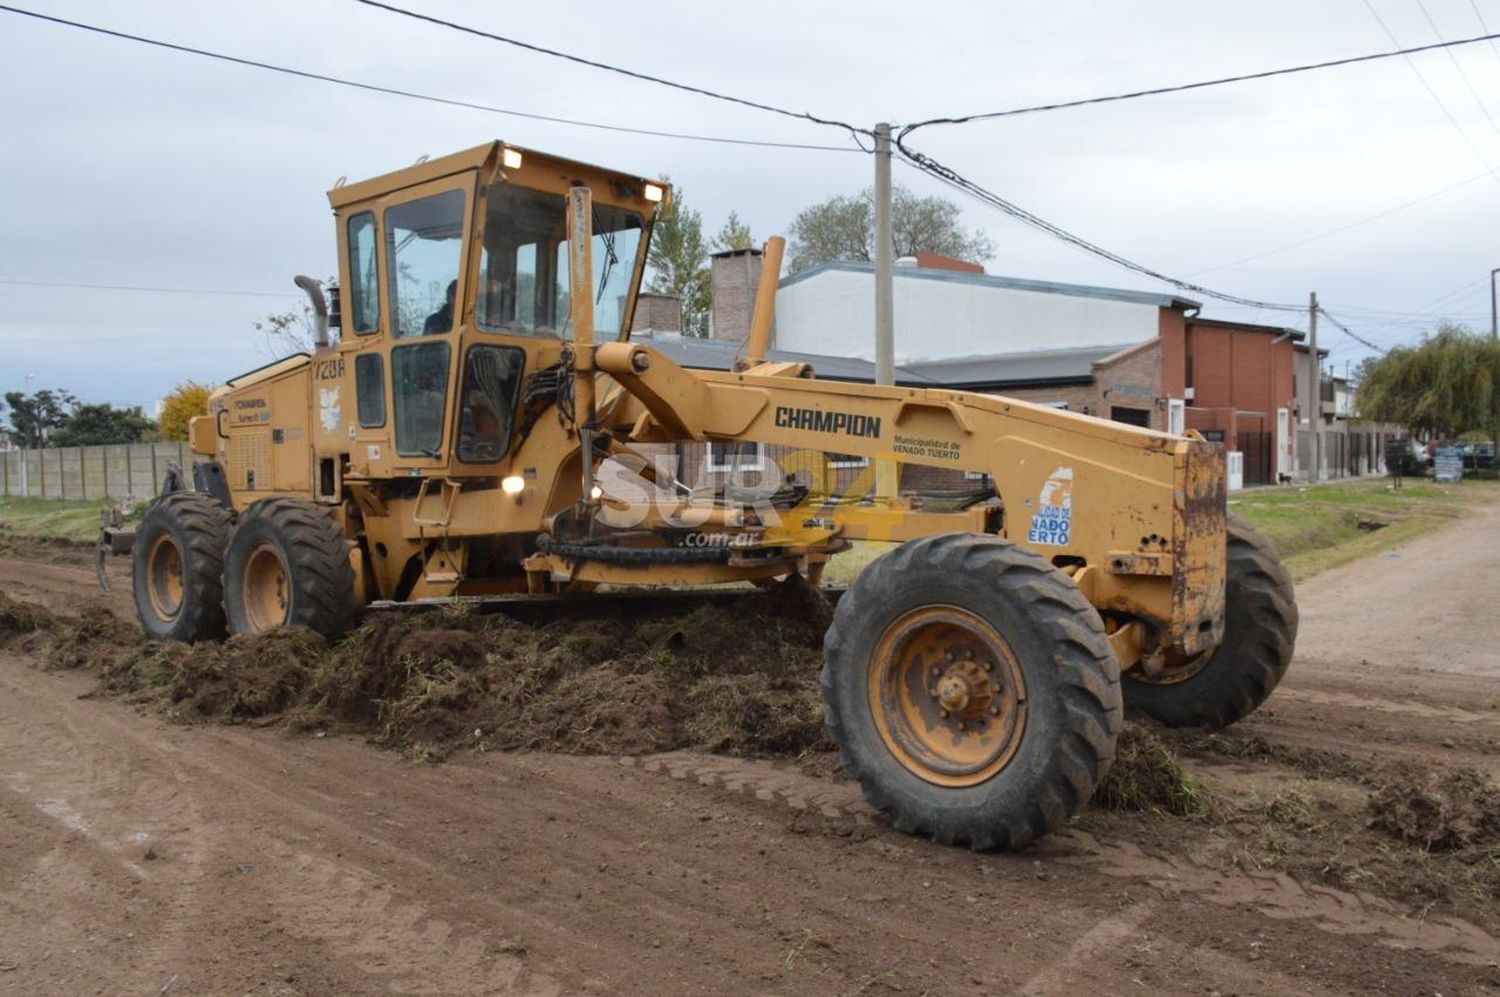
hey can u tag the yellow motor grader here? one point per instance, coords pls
(483, 427)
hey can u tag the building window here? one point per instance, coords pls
(1131, 416)
(736, 457)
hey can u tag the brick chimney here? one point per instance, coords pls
(734, 276)
(656, 313)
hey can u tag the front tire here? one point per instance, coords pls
(971, 690)
(177, 568)
(288, 565)
(1260, 632)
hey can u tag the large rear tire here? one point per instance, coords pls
(1260, 632)
(971, 690)
(288, 565)
(177, 567)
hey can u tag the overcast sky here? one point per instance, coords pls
(130, 165)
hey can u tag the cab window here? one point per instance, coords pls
(523, 267)
(364, 282)
(424, 242)
(419, 385)
(492, 378)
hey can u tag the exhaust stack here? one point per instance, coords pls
(314, 291)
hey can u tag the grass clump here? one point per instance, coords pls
(1146, 777)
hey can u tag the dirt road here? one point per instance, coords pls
(142, 856)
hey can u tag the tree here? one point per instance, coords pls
(679, 264)
(843, 228)
(98, 425)
(33, 418)
(287, 333)
(1445, 386)
(295, 331)
(178, 408)
(734, 235)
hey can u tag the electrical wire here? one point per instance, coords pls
(607, 67)
(1344, 228)
(1459, 66)
(1463, 132)
(1349, 332)
(153, 290)
(1200, 85)
(954, 180)
(413, 95)
(1483, 26)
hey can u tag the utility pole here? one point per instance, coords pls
(1315, 387)
(1494, 325)
(885, 293)
(25, 485)
(1495, 335)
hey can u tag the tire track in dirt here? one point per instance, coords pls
(349, 913)
(1275, 895)
(1401, 708)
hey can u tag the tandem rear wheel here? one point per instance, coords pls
(972, 691)
(288, 565)
(177, 567)
(1228, 683)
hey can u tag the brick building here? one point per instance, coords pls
(1239, 389)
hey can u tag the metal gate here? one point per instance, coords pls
(1257, 450)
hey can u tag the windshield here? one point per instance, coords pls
(523, 269)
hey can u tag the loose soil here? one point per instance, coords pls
(648, 803)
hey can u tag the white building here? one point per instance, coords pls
(943, 314)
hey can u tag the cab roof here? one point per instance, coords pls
(488, 156)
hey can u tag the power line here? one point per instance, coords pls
(1201, 84)
(607, 67)
(1430, 91)
(1344, 228)
(411, 94)
(1349, 332)
(155, 290)
(1459, 66)
(973, 190)
(1484, 27)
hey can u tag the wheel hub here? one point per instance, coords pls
(266, 588)
(947, 695)
(964, 690)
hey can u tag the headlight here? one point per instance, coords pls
(513, 485)
(510, 159)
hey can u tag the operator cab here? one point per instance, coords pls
(456, 274)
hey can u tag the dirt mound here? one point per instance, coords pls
(737, 677)
(1146, 777)
(1437, 809)
(18, 618)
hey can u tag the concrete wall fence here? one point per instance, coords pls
(127, 470)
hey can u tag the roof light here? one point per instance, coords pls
(653, 193)
(510, 158)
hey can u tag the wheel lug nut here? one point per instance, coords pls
(989, 666)
(947, 655)
(943, 714)
(961, 725)
(995, 710)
